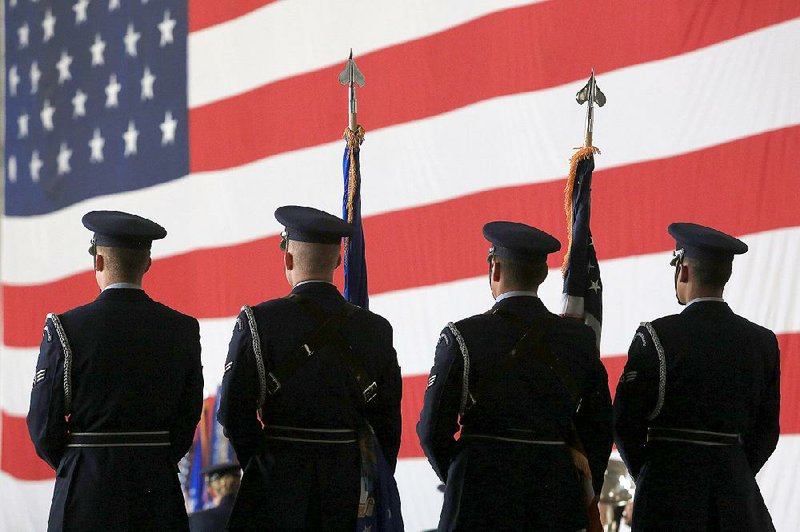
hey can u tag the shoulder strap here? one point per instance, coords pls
(662, 370)
(327, 334)
(532, 341)
(368, 387)
(62, 337)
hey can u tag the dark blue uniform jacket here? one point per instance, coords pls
(135, 368)
(500, 484)
(291, 484)
(720, 374)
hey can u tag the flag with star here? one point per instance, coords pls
(96, 100)
(582, 295)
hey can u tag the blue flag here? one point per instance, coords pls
(583, 291)
(197, 487)
(355, 264)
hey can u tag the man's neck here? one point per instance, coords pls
(697, 292)
(502, 288)
(117, 282)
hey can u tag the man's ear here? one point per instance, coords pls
(496, 270)
(99, 262)
(288, 260)
(683, 276)
(149, 263)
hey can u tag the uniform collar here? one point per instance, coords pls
(516, 293)
(704, 299)
(123, 294)
(301, 283)
(520, 304)
(706, 305)
(316, 288)
(132, 286)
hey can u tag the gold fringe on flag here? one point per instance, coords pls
(354, 140)
(578, 156)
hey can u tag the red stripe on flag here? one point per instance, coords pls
(20, 460)
(206, 13)
(631, 209)
(469, 63)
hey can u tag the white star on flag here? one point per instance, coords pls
(79, 104)
(13, 80)
(147, 84)
(112, 91)
(47, 115)
(165, 27)
(168, 129)
(131, 38)
(63, 65)
(36, 75)
(113, 4)
(24, 34)
(12, 169)
(22, 126)
(96, 145)
(595, 286)
(130, 136)
(97, 50)
(64, 155)
(35, 165)
(48, 26)
(80, 10)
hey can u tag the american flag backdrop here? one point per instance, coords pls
(206, 115)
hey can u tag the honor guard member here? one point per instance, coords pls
(117, 393)
(696, 408)
(511, 380)
(222, 481)
(303, 375)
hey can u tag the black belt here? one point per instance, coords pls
(700, 437)
(307, 435)
(515, 436)
(119, 439)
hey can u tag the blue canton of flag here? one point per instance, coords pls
(583, 291)
(96, 99)
(355, 263)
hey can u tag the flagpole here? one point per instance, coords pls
(355, 269)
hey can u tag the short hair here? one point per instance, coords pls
(129, 264)
(313, 257)
(528, 274)
(711, 273)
